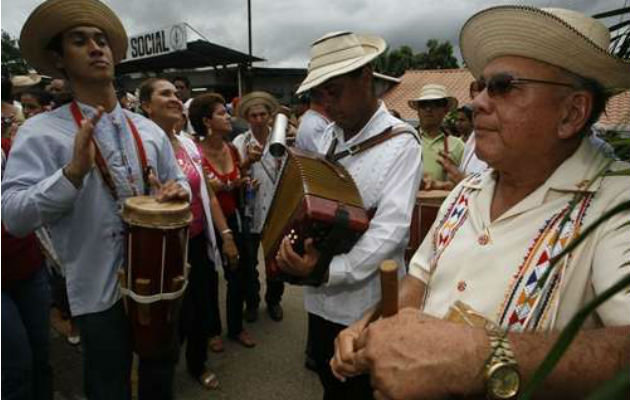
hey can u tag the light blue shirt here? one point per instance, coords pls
(85, 225)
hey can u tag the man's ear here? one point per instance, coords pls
(577, 108)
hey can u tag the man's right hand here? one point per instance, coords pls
(83, 153)
(343, 364)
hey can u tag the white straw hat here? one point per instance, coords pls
(338, 53)
(433, 92)
(564, 38)
(53, 17)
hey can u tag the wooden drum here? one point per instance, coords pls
(425, 211)
(154, 276)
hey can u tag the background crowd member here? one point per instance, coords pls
(312, 123)
(463, 122)
(257, 108)
(387, 177)
(432, 105)
(35, 101)
(51, 179)
(159, 102)
(221, 164)
(26, 372)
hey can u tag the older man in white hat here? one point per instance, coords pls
(387, 176)
(258, 109)
(544, 75)
(432, 106)
(51, 180)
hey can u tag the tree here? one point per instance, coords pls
(11, 57)
(396, 62)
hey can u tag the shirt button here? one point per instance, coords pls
(461, 286)
(483, 239)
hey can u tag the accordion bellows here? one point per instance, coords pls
(313, 197)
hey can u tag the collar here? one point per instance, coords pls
(578, 173)
(374, 126)
(429, 139)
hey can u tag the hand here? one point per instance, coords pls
(452, 171)
(292, 263)
(230, 250)
(216, 185)
(169, 191)
(83, 152)
(254, 153)
(413, 355)
(343, 362)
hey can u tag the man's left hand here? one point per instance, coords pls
(292, 263)
(413, 355)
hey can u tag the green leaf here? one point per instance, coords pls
(567, 335)
(616, 388)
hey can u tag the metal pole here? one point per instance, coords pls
(249, 34)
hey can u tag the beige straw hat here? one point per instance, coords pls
(53, 17)
(256, 98)
(29, 80)
(433, 92)
(338, 53)
(560, 37)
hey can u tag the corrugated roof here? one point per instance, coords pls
(457, 82)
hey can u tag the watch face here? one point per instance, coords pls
(504, 382)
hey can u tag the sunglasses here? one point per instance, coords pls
(502, 84)
(431, 104)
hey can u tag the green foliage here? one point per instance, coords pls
(11, 56)
(396, 62)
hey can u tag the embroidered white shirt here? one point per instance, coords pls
(388, 177)
(479, 271)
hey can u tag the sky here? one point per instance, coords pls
(283, 30)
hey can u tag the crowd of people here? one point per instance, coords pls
(480, 302)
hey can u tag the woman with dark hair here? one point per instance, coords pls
(211, 123)
(200, 306)
(35, 101)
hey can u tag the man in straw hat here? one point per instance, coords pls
(51, 180)
(544, 76)
(432, 106)
(258, 108)
(387, 177)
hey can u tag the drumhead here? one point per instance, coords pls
(147, 211)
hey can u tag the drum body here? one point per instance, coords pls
(314, 199)
(154, 276)
(424, 213)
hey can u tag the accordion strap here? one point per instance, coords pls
(384, 136)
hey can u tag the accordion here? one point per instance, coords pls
(315, 198)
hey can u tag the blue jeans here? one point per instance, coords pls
(26, 372)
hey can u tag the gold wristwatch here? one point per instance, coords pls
(501, 374)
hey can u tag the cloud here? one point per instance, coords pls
(283, 30)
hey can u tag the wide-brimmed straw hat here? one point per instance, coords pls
(53, 17)
(338, 53)
(433, 92)
(556, 36)
(29, 80)
(254, 99)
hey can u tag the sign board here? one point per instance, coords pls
(157, 42)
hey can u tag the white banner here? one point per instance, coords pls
(157, 42)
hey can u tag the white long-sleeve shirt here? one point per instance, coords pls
(388, 177)
(84, 224)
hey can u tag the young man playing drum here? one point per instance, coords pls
(387, 177)
(52, 179)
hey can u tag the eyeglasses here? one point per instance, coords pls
(502, 84)
(431, 104)
(8, 120)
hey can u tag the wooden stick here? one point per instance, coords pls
(389, 288)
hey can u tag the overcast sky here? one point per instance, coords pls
(284, 29)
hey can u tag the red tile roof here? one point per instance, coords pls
(457, 82)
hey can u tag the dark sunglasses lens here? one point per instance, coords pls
(499, 84)
(433, 104)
